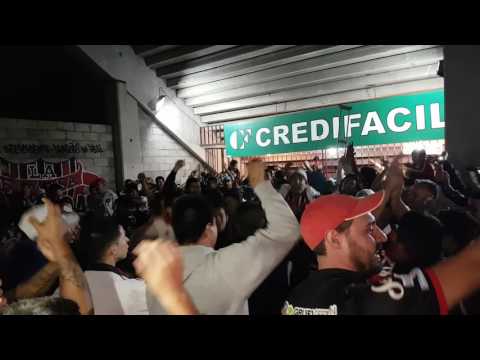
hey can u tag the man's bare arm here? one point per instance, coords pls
(37, 285)
(53, 245)
(459, 276)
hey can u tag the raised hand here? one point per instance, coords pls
(51, 233)
(179, 164)
(256, 172)
(160, 264)
(395, 178)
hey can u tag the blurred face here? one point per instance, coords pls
(298, 183)
(395, 250)
(316, 164)
(121, 247)
(141, 176)
(212, 184)
(350, 187)
(102, 187)
(417, 196)
(418, 157)
(159, 182)
(194, 188)
(228, 184)
(364, 240)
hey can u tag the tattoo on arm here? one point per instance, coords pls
(37, 285)
(73, 274)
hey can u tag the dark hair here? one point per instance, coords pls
(43, 306)
(157, 204)
(248, 218)
(212, 178)
(190, 215)
(215, 199)
(130, 186)
(103, 232)
(429, 185)
(346, 179)
(159, 177)
(367, 176)
(51, 193)
(422, 237)
(462, 226)
(190, 181)
(233, 162)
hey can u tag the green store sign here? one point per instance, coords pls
(390, 120)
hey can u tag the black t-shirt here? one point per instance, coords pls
(343, 292)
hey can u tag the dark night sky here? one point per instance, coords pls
(57, 83)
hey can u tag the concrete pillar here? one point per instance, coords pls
(126, 125)
(462, 104)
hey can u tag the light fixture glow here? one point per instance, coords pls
(160, 103)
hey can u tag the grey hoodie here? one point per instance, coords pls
(220, 282)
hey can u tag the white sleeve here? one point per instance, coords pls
(248, 263)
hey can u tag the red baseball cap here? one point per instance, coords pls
(328, 212)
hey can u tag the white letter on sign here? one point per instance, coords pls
(376, 126)
(352, 124)
(314, 127)
(420, 110)
(391, 120)
(336, 125)
(296, 131)
(280, 131)
(258, 137)
(435, 116)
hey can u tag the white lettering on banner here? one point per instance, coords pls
(336, 126)
(435, 116)
(280, 131)
(391, 120)
(258, 137)
(420, 112)
(376, 126)
(314, 132)
(352, 124)
(296, 132)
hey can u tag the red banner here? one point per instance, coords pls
(40, 174)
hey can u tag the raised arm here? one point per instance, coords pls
(169, 187)
(459, 276)
(52, 243)
(443, 179)
(37, 285)
(245, 265)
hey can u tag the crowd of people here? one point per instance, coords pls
(387, 238)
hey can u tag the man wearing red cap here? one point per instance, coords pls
(341, 230)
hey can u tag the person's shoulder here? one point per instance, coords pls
(321, 293)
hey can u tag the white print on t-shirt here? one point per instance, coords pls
(395, 290)
(289, 309)
(408, 279)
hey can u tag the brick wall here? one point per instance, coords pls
(160, 151)
(15, 131)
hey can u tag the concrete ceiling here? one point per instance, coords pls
(231, 82)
